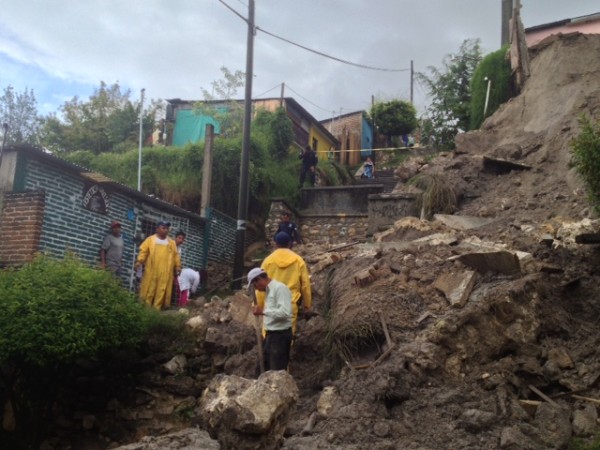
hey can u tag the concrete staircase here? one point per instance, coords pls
(384, 177)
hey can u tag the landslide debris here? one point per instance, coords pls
(491, 323)
(472, 330)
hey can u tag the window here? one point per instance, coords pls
(148, 228)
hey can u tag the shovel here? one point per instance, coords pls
(258, 330)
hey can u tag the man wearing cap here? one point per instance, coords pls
(111, 251)
(158, 254)
(277, 318)
(288, 267)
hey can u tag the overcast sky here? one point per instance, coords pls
(173, 48)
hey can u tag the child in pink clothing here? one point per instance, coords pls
(189, 280)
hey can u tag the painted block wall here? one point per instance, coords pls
(41, 209)
(70, 228)
(67, 226)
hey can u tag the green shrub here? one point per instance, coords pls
(496, 68)
(586, 158)
(54, 314)
(438, 196)
(580, 444)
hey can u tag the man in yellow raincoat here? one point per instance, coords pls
(158, 254)
(287, 267)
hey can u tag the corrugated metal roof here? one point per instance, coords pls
(558, 23)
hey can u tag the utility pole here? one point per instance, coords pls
(4, 137)
(412, 81)
(207, 169)
(507, 9)
(282, 95)
(240, 232)
(139, 186)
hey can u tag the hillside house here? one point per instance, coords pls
(188, 125)
(56, 207)
(589, 24)
(355, 135)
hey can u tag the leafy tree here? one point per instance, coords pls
(107, 121)
(54, 314)
(278, 130)
(19, 112)
(221, 104)
(394, 118)
(586, 158)
(496, 68)
(450, 92)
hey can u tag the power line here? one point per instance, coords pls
(307, 100)
(362, 66)
(325, 55)
(234, 11)
(266, 92)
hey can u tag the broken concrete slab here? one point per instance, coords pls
(370, 274)
(550, 268)
(437, 239)
(588, 238)
(325, 261)
(462, 222)
(500, 261)
(473, 243)
(456, 287)
(501, 166)
(569, 234)
(240, 309)
(369, 248)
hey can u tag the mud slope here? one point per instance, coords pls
(478, 375)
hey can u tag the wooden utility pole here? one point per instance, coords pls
(412, 81)
(242, 214)
(207, 169)
(507, 10)
(519, 53)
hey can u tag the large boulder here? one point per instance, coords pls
(184, 439)
(249, 414)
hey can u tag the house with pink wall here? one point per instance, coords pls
(589, 24)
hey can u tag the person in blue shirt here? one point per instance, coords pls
(289, 228)
(368, 169)
(309, 166)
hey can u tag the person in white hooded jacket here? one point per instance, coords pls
(189, 280)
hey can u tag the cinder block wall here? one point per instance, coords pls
(67, 226)
(221, 237)
(41, 210)
(20, 226)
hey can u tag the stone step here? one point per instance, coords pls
(389, 183)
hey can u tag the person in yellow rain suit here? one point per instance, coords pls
(287, 267)
(158, 254)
